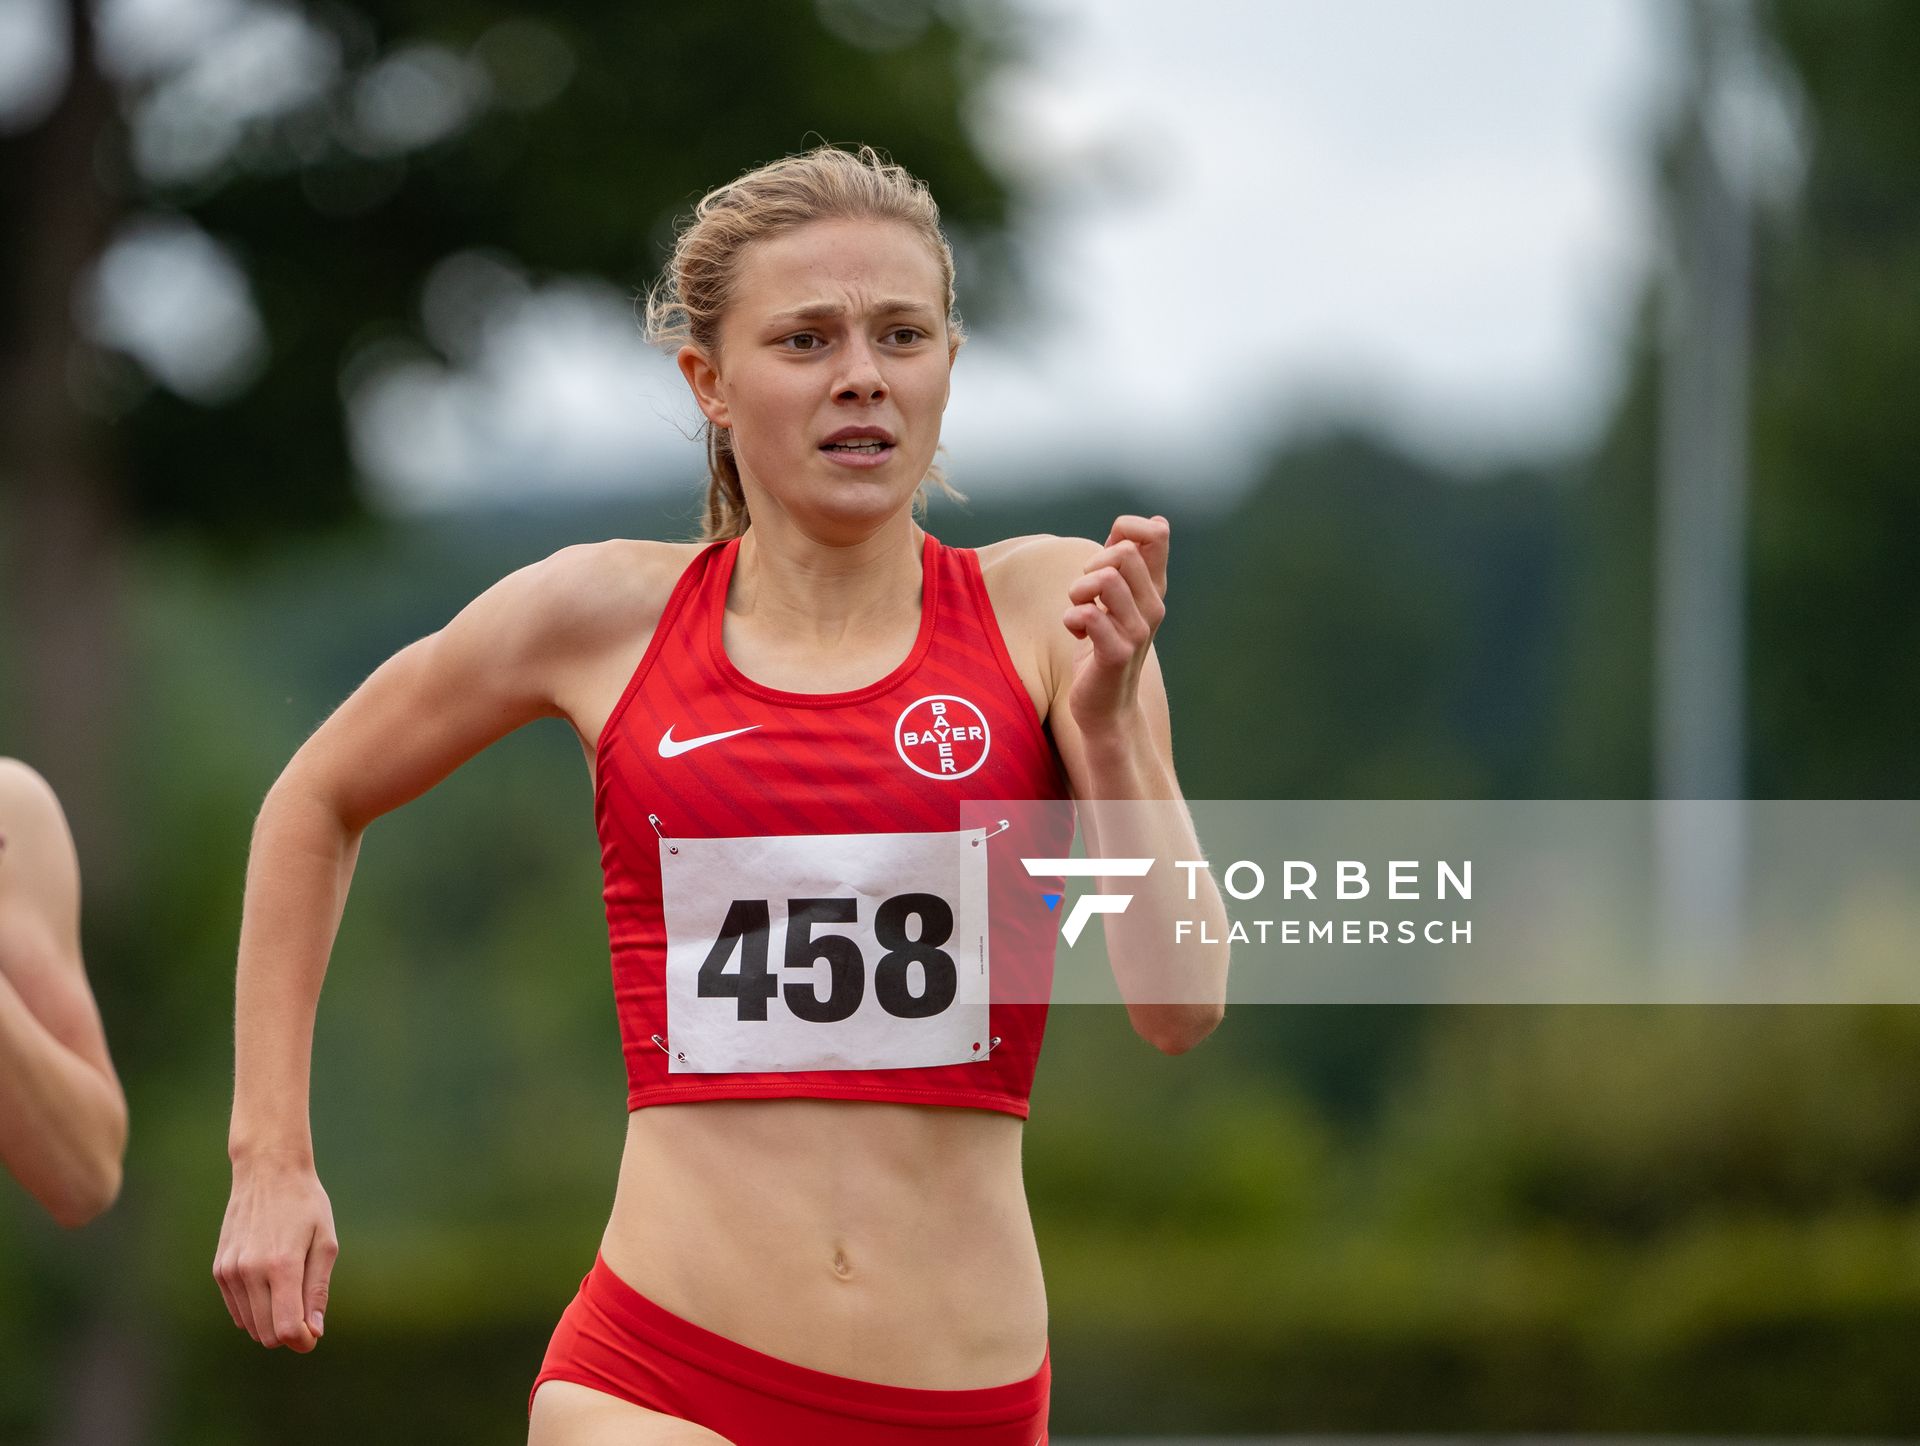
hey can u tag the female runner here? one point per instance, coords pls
(820, 1233)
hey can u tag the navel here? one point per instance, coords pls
(842, 1267)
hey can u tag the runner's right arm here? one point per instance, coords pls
(515, 654)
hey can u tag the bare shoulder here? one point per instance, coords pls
(39, 871)
(576, 621)
(27, 799)
(595, 592)
(1027, 580)
(538, 643)
(1034, 570)
(33, 827)
(537, 629)
(1041, 552)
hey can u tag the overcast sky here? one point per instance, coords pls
(1431, 216)
(1433, 213)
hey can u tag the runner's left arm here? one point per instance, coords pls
(1111, 723)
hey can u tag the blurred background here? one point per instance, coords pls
(1531, 391)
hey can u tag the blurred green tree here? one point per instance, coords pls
(1836, 519)
(1834, 542)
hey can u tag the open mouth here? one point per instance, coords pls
(859, 447)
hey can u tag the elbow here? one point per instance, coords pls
(301, 791)
(94, 1184)
(85, 1205)
(1177, 1028)
(87, 1197)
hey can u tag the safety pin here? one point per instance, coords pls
(992, 1045)
(654, 819)
(681, 1056)
(1002, 827)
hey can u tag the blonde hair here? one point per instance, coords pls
(685, 305)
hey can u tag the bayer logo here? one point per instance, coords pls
(942, 736)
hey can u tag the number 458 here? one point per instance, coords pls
(747, 926)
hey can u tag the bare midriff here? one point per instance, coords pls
(886, 1242)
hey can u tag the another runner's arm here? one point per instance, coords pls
(1115, 736)
(63, 1117)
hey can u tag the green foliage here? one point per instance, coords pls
(1835, 513)
(1216, 1148)
(1393, 629)
(1634, 1122)
(1571, 1220)
(1836, 510)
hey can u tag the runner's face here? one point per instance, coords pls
(839, 325)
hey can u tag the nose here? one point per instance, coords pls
(860, 378)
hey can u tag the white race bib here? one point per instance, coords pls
(825, 951)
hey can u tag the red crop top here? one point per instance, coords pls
(793, 906)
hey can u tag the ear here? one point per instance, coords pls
(703, 379)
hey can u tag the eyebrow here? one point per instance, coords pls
(830, 310)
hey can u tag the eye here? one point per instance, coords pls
(802, 341)
(905, 335)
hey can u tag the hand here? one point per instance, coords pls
(1118, 604)
(276, 1252)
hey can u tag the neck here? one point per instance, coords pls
(789, 581)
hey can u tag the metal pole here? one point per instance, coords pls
(1700, 632)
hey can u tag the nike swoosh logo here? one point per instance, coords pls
(671, 747)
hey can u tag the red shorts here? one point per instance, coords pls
(613, 1339)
